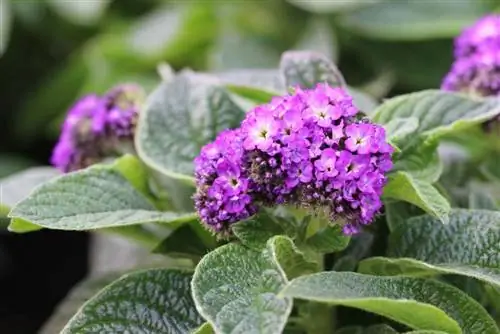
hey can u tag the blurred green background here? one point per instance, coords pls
(54, 51)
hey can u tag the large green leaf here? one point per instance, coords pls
(328, 239)
(290, 258)
(415, 302)
(97, 197)
(414, 20)
(179, 118)
(149, 301)
(235, 289)
(468, 245)
(439, 112)
(307, 68)
(331, 6)
(18, 186)
(257, 230)
(403, 186)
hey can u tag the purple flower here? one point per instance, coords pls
(97, 127)
(484, 33)
(478, 74)
(306, 149)
(325, 165)
(359, 137)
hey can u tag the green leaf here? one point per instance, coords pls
(318, 36)
(75, 299)
(363, 101)
(328, 239)
(290, 258)
(403, 186)
(375, 329)
(235, 290)
(423, 162)
(417, 303)
(183, 242)
(80, 12)
(148, 301)
(439, 113)
(5, 24)
(480, 199)
(206, 328)
(306, 69)
(93, 198)
(179, 118)
(398, 128)
(413, 20)
(18, 186)
(466, 246)
(398, 212)
(331, 6)
(257, 230)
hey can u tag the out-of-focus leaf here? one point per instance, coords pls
(80, 12)
(319, 36)
(414, 20)
(5, 23)
(331, 6)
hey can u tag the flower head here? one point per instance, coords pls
(478, 74)
(97, 127)
(483, 34)
(306, 149)
(78, 145)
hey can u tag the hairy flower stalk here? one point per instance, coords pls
(307, 149)
(98, 127)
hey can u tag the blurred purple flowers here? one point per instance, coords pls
(476, 69)
(95, 127)
(306, 149)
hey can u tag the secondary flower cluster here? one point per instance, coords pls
(95, 127)
(476, 69)
(307, 149)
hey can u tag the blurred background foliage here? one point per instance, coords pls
(54, 51)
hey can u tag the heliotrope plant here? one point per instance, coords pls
(295, 207)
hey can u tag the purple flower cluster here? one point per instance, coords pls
(96, 126)
(476, 69)
(307, 149)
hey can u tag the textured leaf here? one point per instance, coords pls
(179, 118)
(291, 259)
(469, 245)
(257, 230)
(150, 301)
(306, 69)
(74, 300)
(18, 186)
(414, 20)
(423, 162)
(439, 113)
(235, 289)
(398, 128)
(417, 303)
(97, 197)
(328, 240)
(331, 6)
(402, 186)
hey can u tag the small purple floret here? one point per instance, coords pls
(306, 149)
(95, 126)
